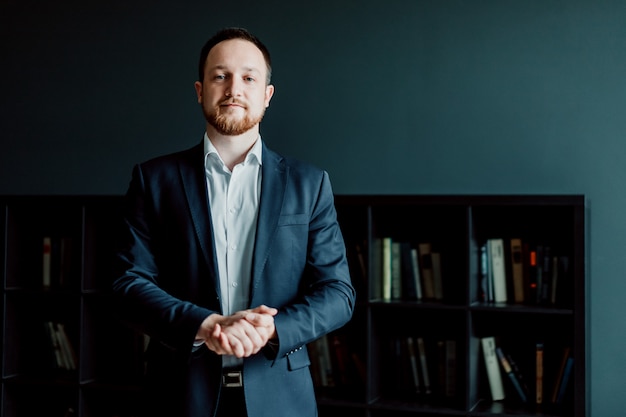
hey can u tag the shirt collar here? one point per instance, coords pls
(255, 153)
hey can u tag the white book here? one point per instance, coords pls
(493, 368)
(498, 269)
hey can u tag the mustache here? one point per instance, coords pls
(232, 101)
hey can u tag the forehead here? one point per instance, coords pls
(236, 54)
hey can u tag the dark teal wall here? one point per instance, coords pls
(392, 96)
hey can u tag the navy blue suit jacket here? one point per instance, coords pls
(167, 282)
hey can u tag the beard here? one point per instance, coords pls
(229, 125)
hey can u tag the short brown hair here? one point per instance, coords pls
(233, 33)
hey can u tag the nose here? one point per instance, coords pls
(233, 88)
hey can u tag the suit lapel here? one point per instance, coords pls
(273, 183)
(193, 178)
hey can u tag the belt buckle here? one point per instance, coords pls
(232, 379)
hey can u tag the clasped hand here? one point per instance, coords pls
(241, 334)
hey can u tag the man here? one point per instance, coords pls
(231, 259)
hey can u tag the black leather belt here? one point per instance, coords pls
(232, 378)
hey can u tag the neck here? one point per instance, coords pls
(233, 149)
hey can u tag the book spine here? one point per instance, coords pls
(506, 367)
(496, 252)
(416, 273)
(414, 365)
(47, 262)
(564, 382)
(421, 347)
(539, 373)
(386, 268)
(437, 275)
(517, 270)
(396, 271)
(426, 266)
(493, 369)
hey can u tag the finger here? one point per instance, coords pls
(216, 330)
(248, 339)
(263, 309)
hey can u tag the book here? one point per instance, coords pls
(531, 275)
(546, 275)
(492, 368)
(413, 363)
(560, 273)
(426, 272)
(410, 281)
(53, 341)
(517, 270)
(559, 375)
(386, 268)
(67, 348)
(437, 275)
(486, 283)
(508, 370)
(567, 372)
(47, 262)
(396, 271)
(539, 373)
(421, 349)
(495, 252)
(446, 383)
(416, 273)
(519, 375)
(538, 273)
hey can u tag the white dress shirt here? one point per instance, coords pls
(234, 201)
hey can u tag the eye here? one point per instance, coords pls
(249, 79)
(219, 77)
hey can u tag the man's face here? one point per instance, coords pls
(234, 94)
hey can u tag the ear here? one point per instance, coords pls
(269, 92)
(198, 87)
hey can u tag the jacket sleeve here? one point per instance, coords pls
(327, 297)
(144, 295)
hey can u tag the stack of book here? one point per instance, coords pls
(403, 271)
(513, 271)
(544, 383)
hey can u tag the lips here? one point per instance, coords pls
(233, 103)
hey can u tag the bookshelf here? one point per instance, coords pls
(385, 329)
(107, 356)
(377, 374)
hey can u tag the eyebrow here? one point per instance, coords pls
(246, 69)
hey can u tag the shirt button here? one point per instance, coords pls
(234, 284)
(233, 210)
(233, 246)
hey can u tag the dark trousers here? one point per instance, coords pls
(232, 403)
